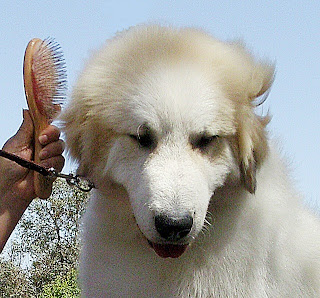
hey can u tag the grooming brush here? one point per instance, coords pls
(45, 87)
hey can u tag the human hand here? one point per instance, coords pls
(17, 182)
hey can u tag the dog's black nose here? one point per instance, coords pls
(173, 228)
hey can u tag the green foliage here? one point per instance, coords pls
(62, 287)
(48, 234)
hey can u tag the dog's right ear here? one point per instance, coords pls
(251, 134)
(253, 147)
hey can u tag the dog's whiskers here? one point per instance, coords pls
(207, 223)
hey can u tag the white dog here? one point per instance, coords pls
(192, 199)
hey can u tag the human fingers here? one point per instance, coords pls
(52, 149)
(56, 162)
(49, 134)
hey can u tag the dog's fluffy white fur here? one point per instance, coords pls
(192, 199)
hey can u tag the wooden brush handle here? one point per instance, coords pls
(42, 184)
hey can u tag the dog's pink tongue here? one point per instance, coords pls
(169, 250)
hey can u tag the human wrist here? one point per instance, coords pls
(11, 210)
(13, 202)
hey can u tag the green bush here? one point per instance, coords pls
(62, 287)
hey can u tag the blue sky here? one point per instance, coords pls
(287, 32)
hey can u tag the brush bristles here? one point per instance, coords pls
(50, 77)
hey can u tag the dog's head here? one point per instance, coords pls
(169, 115)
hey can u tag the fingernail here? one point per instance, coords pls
(43, 139)
(43, 154)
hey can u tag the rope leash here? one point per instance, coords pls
(80, 182)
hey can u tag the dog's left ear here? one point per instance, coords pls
(251, 135)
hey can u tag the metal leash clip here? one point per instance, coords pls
(73, 180)
(80, 182)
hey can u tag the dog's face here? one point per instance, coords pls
(163, 117)
(170, 156)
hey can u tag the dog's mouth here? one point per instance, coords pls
(169, 250)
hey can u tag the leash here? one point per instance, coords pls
(80, 182)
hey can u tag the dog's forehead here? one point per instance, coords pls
(182, 95)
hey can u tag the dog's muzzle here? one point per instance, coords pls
(172, 230)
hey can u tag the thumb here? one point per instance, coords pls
(24, 135)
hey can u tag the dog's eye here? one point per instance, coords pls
(145, 139)
(203, 141)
